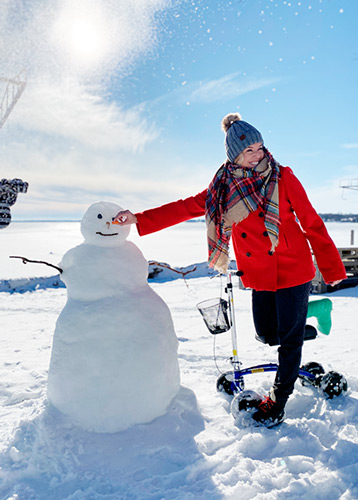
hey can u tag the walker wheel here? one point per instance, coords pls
(226, 384)
(315, 369)
(333, 384)
(244, 401)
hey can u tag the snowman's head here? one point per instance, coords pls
(97, 227)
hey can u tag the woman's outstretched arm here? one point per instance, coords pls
(155, 219)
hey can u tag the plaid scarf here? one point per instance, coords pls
(232, 195)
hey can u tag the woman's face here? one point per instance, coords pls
(251, 156)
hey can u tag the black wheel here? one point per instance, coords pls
(225, 384)
(333, 384)
(245, 401)
(315, 369)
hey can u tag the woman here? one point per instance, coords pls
(266, 211)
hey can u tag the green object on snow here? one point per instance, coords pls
(321, 309)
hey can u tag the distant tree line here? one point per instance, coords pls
(339, 217)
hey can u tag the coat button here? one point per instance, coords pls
(265, 233)
(261, 214)
(248, 254)
(243, 235)
(270, 252)
(240, 273)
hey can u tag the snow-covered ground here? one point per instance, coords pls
(195, 451)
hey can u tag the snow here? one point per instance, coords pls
(195, 450)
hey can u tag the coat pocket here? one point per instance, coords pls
(283, 244)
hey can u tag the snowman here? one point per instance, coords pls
(114, 359)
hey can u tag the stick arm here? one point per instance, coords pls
(25, 260)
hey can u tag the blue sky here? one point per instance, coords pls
(124, 100)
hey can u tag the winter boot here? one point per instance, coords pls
(269, 412)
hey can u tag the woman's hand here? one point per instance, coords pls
(124, 218)
(334, 283)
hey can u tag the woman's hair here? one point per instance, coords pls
(239, 159)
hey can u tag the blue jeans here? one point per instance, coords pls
(280, 318)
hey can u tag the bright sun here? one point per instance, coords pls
(81, 33)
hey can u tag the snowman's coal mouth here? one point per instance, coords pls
(111, 234)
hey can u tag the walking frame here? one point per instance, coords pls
(219, 317)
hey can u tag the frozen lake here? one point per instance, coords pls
(180, 245)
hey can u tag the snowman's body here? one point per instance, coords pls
(114, 358)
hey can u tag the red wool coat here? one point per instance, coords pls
(291, 264)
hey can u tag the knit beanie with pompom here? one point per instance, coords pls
(239, 135)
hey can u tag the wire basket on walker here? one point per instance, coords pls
(215, 315)
(219, 317)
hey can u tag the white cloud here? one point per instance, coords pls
(351, 145)
(62, 184)
(209, 91)
(226, 87)
(68, 111)
(69, 198)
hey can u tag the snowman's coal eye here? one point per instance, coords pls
(99, 216)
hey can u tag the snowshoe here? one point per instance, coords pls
(333, 384)
(315, 369)
(226, 383)
(245, 401)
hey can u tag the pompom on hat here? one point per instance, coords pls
(239, 135)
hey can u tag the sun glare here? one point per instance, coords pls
(85, 39)
(81, 33)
